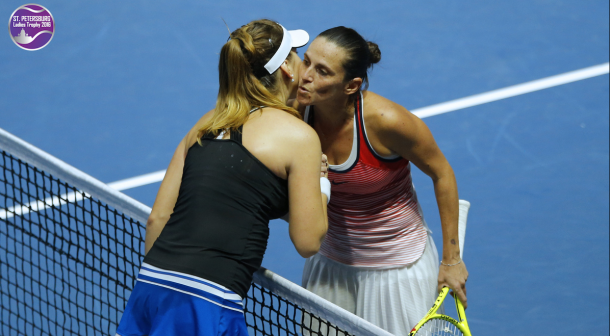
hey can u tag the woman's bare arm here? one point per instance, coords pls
(406, 135)
(323, 173)
(308, 221)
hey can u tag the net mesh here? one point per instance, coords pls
(68, 262)
(269, 314)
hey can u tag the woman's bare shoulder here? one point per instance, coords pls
(288, 125)
(375, 102)
(289, 122)
(282, 138)
(384, 114)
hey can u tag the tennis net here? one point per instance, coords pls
(71, 248)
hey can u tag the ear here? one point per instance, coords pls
(353, 86)
(286, 70)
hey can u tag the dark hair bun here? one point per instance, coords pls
(375, 52)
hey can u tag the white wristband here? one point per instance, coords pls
(325, 187)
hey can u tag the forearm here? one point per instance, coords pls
(445, 188)
(324, 224)
(308, 235)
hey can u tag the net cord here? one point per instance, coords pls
(316, 305)
(140, 212)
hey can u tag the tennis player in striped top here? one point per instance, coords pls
(244, 163)
(378, 259)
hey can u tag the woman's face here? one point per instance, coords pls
(321, 73)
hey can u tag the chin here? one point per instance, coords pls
(303, 99)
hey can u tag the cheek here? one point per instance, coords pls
(325, 88)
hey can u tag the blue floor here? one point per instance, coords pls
(122, 82)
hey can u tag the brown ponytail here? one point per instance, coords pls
(243, 81)
(374, 52)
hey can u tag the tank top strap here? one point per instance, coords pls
(366, 152)
(237, 136)
(207, 135)
(309, 115)
(359, 124)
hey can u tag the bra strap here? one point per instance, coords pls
(257, 108)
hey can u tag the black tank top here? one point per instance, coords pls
(220, 224)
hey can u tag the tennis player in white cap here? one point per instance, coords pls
(247, 161)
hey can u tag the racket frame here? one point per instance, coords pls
(462, 324)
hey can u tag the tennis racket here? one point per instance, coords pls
(434, 324)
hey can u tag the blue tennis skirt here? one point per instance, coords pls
(168, 303)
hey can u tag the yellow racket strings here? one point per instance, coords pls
(439, 327)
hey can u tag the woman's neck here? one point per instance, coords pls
(282, 94)
(334, 114)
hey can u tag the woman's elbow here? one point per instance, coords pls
(311, 247)
(156, 220)
(308, 251)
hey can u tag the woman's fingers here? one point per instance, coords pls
(454, 277)
(324, 166)
(461, 293)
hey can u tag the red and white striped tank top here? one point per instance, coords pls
(374, 218)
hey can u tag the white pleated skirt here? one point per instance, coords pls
(394, 299)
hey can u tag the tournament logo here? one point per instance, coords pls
(31, 27)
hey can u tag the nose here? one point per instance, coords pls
(306, 74)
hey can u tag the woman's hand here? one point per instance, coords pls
(454, 277)
(324, 167)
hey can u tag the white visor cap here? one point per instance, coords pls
(291, 39)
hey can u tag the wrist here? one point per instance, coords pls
(452, 256)
(450, 264)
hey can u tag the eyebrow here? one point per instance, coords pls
(326, 67)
